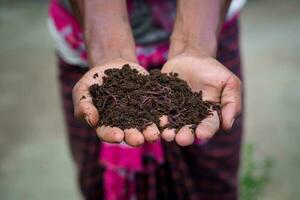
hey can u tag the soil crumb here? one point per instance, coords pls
(128, 99)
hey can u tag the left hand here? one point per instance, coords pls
(217, 83)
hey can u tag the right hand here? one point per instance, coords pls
(84, 108)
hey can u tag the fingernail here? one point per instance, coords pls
(231, 123)
(88, 120)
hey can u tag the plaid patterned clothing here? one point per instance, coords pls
(203, 172)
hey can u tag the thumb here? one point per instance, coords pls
(231, 101)
(83, 105)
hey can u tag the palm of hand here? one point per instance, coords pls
(217, 83)
(84, 108)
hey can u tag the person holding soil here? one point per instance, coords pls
(200, 44)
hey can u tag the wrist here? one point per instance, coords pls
(111, 44)
(104, 55)
(202, 46)
(107, 32)
(196, 28)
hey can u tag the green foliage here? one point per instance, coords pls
(255, 174)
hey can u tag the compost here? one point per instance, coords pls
(129, 99)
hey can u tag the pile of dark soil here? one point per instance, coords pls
(128, 99)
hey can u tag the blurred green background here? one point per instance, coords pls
(35, 160)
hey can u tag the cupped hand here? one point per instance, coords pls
(218, 85)
(84, 108)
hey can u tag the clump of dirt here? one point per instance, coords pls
(128, 99)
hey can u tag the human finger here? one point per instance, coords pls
(208, 126)
(185, 136)
(168, 134)
(83, 104)
(163, 121)
(110, 134)
(231, 101)
(151, 133)
(134, 137)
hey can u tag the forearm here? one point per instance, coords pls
(107, 30)
(197, 25)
